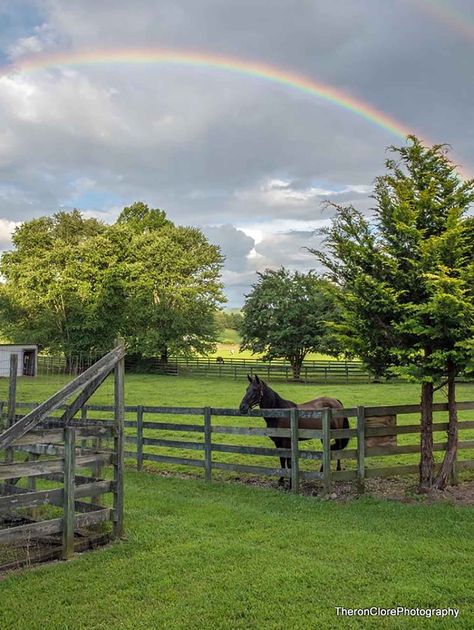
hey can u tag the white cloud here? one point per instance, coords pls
(284, 193)
(6, 230)
(43, 39)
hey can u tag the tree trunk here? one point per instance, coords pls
(426, 460)
(164, 354)
(452, 445)
(296, 367)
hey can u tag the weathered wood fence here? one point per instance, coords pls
(150, 432)
(322, 371)
(157, 438)
(317, 371)
(57, 448)
(364, 432)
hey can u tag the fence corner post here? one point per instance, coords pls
(140, 437)
(295, 462)
(361, 448)
(69, 516)
(207, 444)
(11, 408)
(326, 425)
(119, 417)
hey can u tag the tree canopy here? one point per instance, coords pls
(171, 277)
(72, 284)
(286, 315)
(406, 274)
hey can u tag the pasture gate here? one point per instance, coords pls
(43, 514)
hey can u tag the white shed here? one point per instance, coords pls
(27, 359)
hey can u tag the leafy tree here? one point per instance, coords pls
(72, 284)
(229, 319)
(286, 316)
(407, 281)
(61, 288)
(172, 283)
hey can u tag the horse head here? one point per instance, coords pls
(253, 394)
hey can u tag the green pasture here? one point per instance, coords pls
(229, 348)
(156, 390)
(226, 556)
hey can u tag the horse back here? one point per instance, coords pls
(321, 403)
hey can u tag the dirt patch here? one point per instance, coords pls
(403, 489)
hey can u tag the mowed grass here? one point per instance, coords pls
(230, 556)
(225, 556)
(229, 348)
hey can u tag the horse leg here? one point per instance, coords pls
(281, 481)
(288, 465)
(338, 467)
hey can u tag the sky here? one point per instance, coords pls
(94, 116)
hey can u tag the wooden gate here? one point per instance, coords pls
(40, 519)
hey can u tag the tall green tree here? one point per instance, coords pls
(172, 283)
(286, 316)
(406, 276)
(72, 284)
(61, 288)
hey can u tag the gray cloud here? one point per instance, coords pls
(215, 148)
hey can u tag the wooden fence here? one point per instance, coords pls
(203, 436)
(364, 431)
(237, 368)
(69, 446)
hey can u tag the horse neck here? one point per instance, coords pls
(272, 400)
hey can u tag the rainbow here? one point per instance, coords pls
(447, 15)
(258, 70)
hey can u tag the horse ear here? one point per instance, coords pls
(257, 380)
(249, 377)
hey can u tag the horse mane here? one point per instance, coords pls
(277, 402)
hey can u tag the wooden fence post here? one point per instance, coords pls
(326, 424)
(207, 444)
(295, 464)
(119, 374)
(69, 517)
(11, 409)
(84, 419)
(140, 437)
(361, 448)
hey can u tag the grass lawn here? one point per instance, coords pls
(224, 556)
(228, 346)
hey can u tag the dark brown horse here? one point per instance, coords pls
(259, 393)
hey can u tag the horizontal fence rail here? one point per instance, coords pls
(312, 371)
(236, 368)
(200, 441)
(52, 441)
